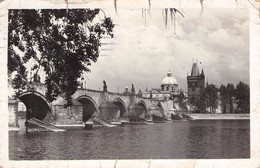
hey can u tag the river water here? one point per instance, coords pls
(173, 140)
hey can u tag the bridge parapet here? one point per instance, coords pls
(88, 90)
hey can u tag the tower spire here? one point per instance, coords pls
(202, 72)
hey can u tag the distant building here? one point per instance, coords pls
(156, 94)
(169, 89)
(196, 85)
(126, 92)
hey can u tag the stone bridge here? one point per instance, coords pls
(87, 103)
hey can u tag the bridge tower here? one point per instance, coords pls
(196, 85)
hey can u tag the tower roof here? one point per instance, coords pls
(195, 70)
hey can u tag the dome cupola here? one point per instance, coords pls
(169, 83)
(169, 79)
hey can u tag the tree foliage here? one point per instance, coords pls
(227, 94)
(242, 97)
(67, 40)
(235, 99)
(210, 97)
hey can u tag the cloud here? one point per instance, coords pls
(142, 55)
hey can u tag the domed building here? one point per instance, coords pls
(169, 83)
(168, 90)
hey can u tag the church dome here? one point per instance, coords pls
(169, 80)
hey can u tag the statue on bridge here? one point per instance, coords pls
(133, 89)
(104, 86)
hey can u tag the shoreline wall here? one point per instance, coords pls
(218, 116)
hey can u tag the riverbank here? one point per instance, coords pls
(200, 116)
(195, 116)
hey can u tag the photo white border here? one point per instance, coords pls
(254, 14)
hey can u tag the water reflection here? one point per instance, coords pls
(173, 140)
(221, 139)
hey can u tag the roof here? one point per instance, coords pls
(195, 70)
(155, 91)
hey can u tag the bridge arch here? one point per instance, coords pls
(160, 108)
(122, 107)
(36, 104)
(159, 104)
(143, 104)
(143, 109)
(89, 107)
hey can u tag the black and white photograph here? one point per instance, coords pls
(167, 83)
(129, 83)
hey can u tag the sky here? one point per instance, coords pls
(143, 50)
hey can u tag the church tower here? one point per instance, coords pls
(196, 85)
